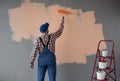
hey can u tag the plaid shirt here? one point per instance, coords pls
(38, 46)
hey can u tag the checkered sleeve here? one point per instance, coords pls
(59, 31)
(33, 55)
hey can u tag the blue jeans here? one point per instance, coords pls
(51, 72)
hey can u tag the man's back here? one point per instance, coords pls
(38, 47)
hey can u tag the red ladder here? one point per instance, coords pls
(111, 68)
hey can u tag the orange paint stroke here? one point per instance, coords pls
(64, 12)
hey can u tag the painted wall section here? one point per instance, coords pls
(79, 39)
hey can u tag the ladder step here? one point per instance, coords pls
(103, 68)
(108, 57)
(100, 80)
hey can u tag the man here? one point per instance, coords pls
(45, 47)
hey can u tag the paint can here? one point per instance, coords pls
(105, 53)
(101, 75)
(102, 65)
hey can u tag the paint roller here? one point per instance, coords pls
(64, 12)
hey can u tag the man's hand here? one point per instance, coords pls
(32, 65)
(62, 20)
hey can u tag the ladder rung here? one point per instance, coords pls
(100, 80)
(103, 69)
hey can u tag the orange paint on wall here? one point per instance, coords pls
(79, 39)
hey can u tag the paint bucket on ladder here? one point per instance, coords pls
(105, 53)
(102, 65)
(101, 75)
